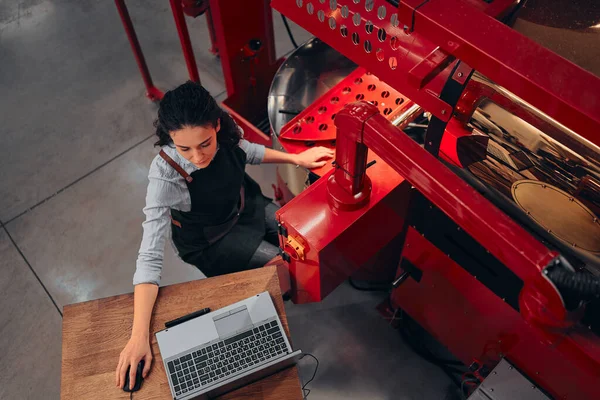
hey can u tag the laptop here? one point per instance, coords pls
(223, 350)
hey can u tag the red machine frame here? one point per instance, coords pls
(359, 212)
(353, 214)
(247, 55)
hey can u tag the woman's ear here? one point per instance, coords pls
(218, 127)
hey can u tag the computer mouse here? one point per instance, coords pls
(138, 378)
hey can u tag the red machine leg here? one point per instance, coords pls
(152, 92)
(214, 48)
(184, 38)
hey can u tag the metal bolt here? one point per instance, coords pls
(510, 368)
(495, 373)
(544, 186)
(595, 219)
(460, 74)
(429, 143)
(571, 199)
(504, 299)
(443, 112)
(533, 386)
(491, 389)
(458, 228)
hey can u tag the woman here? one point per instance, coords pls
(219, 219)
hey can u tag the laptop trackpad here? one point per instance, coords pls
(233, 322)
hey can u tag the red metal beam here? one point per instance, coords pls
(362, 124)
(184, 38)
(551, 83)
(152, 92)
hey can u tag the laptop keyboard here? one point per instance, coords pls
(219, 361)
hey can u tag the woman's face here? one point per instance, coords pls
(197, 144)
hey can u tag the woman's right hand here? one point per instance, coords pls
(137, 349)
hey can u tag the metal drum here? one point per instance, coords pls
(537, 170)
(308, 73)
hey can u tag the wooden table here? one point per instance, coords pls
(95, 332)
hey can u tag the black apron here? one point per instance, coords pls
(226, 223)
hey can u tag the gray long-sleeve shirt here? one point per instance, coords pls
(167, 190)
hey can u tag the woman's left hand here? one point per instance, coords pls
(314, 158)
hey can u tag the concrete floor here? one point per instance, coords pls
(76, 145)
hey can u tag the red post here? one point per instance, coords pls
(152, 92)
(184, 38)
(214, 47)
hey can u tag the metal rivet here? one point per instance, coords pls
(495, 373)
(571, 199)
(460, 74)
(443, 112)
(537, 373)
(533, 387)
(491, 389)
(510, 367)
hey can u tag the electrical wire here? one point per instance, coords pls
(449, 367)
(289, 31)
(305, 391)
(462, 386)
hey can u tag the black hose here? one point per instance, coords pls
(289, 31)
(581, 284)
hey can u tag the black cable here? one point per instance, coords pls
(449, 367)
(305, 391)
(426, 353)
(289, 31)
(369, 289)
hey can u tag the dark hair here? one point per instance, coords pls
(191, 105)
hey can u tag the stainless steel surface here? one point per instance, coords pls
(505, 382)
(307, 74)
(570, 28)
(526, 144)
(407, 116)
(567, 218)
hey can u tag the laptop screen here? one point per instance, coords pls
(230, 323)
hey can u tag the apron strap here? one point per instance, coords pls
(177, 167)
